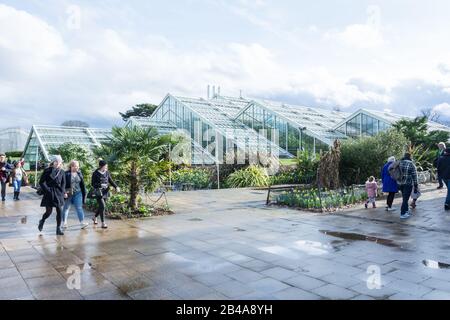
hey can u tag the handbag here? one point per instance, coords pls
(95, 193)
(25, 181)
(416, 195)
(39, 191)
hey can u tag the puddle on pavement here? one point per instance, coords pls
(361, 237)
(435, 264)
(195, 219)
(81, 266)
(239, 229)
(23, 220)
(314, 248)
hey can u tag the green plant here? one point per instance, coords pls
(307, 165)
(117, 207)
(32, 178)
(140, 154)
(252, 176)
(199, 178)
(70, 151)
(327, 200)
(364, 157)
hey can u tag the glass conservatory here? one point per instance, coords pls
(370, 122)
(43, 138)
(221, 128)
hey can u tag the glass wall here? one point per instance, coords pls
(363, 125)
(291, 138)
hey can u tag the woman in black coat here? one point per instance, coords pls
(53, 184)
(101, 182)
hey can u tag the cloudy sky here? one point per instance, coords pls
(88, 60)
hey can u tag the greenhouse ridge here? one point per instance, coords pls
(248, 124)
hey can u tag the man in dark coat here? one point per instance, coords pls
(5, 170)
(444, 173)
(53, 184)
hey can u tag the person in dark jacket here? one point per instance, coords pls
(5, 170)
(75, 193)
(101, 182)
(408, 183)
(389, 185)
(53, 185)
(440, 153)
(444, 172)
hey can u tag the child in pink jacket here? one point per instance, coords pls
(371, 188)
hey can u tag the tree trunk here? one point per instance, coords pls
(133, 186)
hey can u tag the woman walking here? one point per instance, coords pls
(101, 182)
(389, 185)
(17, 176)
(75, 193)
(53, 185)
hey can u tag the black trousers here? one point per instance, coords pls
(101, 209)
(48, 212)
(390, 199)
(3, 189)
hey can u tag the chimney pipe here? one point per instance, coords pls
(214, 92)
(218, 91)
(208, 91)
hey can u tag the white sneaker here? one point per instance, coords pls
(405, 216)
(391, 209)
(65, 225)
(84, 225)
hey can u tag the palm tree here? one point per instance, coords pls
(138, 150)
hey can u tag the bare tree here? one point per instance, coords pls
(430, 114)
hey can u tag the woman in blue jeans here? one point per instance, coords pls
(17, 176)
(75, 193)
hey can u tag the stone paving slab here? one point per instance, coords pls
(228, 245)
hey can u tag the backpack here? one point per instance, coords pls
(395, 172)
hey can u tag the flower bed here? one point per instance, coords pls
(117, 208)
(325, 200)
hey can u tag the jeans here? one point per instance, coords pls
(76, 200)
(406, 194)
(390, 199)
(447, 200)
(17, 184)
(3, 186)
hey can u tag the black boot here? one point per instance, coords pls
(59, 231)
(41, 225)
(17, 197)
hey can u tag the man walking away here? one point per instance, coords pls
(408, 183)
(440, 153)
(444, 174)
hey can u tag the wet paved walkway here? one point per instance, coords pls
(228, 245)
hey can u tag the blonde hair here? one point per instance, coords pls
(371, 179)
(73, 163)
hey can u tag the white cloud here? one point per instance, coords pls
(443, 108)
(363, 36)
(101, 69)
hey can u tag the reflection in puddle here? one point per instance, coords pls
(435, 264)
(239, 229)
(281, 251)
(361, 237)
(195, 219)
(314, 248)
(23, 220)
